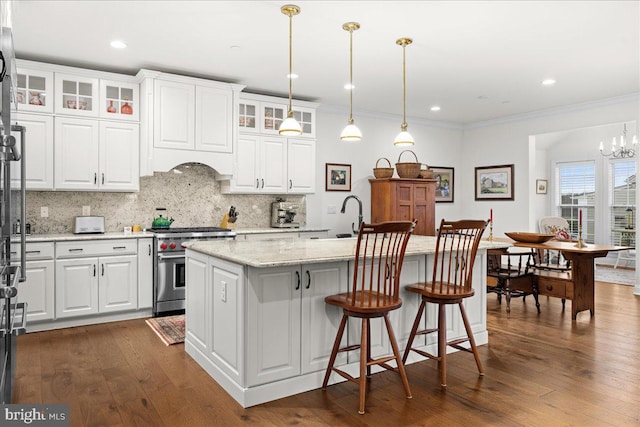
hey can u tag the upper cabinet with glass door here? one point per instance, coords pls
(77, 95)
(119, 100)
(35, 90)
(264, 114)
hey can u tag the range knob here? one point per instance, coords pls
(163, 246)
(172, 245)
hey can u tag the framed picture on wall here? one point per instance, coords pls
(541, 186)
(494, 182)
(444, 183)
(338, 177)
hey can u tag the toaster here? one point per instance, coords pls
(89, 224)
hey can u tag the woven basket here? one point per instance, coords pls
(383, 172)
(426, 173)
(406, 169)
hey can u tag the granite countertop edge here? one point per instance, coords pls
(278, 253)
(266, 230)
(62, 237)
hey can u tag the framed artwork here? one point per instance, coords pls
(541, 186)
(338, 177)
(494, 182)
(444, 183)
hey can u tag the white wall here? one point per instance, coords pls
(508, 143)
(434, 146)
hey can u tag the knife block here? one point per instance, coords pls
(226, 224)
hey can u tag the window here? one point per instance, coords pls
(575, 191)
(622, 201)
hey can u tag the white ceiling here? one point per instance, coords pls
(477, 60)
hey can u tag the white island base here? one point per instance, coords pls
(262, 330)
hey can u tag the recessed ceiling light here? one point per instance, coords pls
(118, 44)
(483, 97)
(548, 82)
(234, 47)
(292, 76)
(435, 108)
(349, 86)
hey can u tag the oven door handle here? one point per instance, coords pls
(162, 256)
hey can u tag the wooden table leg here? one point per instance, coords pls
(582, 267)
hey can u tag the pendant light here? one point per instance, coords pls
(290, 127)
(351, 133)
(404, 137)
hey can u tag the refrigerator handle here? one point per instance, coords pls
(23, 209)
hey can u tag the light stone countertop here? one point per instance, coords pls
(32, 238)
(278, 230)
(277, 253)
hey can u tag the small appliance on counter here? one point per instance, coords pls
(89, 224)
(283, 213)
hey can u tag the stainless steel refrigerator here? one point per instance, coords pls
(12, 221)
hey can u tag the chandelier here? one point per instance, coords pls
(623, 151)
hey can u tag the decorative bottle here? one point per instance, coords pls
(111, 108)
(126, 108)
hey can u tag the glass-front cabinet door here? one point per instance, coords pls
(76, 95)
(34, 91)
(248, 116)
(119, 100)
(305, 116)
(272, 117)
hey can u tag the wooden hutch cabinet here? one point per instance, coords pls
(401, 199)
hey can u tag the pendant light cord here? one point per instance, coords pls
(404, 87)
(351, 76)
(290, 112)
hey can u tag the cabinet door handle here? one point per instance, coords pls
(308, 279)
(149, 250)
(102, 265)
(95, 178)
(30, 252)
(257, 183)
(115, 248)
(290, 184)
(297, 280)
(262, 183)
(94, 270)
(103, 178)
(75, 250)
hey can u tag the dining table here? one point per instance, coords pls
(577, 283)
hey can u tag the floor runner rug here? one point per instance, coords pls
(170, 329)
(615, 275)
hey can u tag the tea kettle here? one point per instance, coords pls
(160, 221)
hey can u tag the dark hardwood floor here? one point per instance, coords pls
(541, 370)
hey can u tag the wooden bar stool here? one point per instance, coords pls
(451, 283)
(374, 293)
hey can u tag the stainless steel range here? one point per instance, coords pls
(169, 266)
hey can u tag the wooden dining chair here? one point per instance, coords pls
(451, 283)
(374, 293)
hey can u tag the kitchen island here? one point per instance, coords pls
(257, 322)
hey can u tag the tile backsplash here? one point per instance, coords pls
(189, 192)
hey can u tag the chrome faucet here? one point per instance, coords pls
(344, 205)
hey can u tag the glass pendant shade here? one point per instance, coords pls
(290, 126)
(351, 133)
(403, 138)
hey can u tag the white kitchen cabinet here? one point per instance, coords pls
(290, 331)
(249, 116)
(145, 273)
(260, 165)
(117, 285)
(264, 114)
(38, 290)
(38, 151)
(174, 115)
(96, 277)
(301, 166)
(76, 153)
(119, 100)
(214, 119)
(76, 95)
(34, 90)
(95, 155)
(119, 156)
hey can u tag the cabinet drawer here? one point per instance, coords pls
(96, 248)
(555, 288)
(34, 251)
